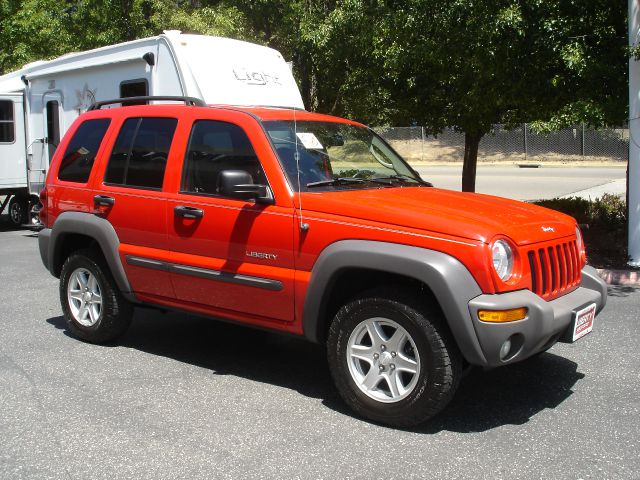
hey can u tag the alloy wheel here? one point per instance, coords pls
(85, 297)
(383, 360)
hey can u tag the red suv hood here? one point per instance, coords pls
(467, 215)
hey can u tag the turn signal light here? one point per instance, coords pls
(500, 316)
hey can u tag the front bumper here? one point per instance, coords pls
(545, 324)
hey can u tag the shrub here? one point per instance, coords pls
(604, 226)
(607, 211)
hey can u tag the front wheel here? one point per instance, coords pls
(392, 358)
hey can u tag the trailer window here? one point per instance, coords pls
(81, 152)
(7, 124)
(53, 126)
(139, 156)
(134, 88)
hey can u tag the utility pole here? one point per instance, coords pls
(633, 177)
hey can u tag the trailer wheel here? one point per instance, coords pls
(18, 211)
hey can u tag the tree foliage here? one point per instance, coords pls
(30, 30)
(469, 64)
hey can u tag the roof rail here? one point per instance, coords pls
(192, 101)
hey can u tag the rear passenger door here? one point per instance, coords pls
(130, 197)
(233, 258)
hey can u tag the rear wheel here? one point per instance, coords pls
(93, 307)
(18, 210)
(392, 358)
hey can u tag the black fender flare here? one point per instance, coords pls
(448, 279)
(51, 242)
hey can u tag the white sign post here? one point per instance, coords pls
(634, 138)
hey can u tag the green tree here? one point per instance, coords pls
(469, 64)
(96, 23)
(43, 29)
(329, 43)
(30, 30)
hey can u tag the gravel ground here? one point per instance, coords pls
(185, 397)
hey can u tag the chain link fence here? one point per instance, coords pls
(519, 145)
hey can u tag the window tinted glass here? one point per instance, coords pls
(7, 134)
(53, 126)
(81, 152)
(134, 88)
(139, 156)
(120, 153)
(216, 146)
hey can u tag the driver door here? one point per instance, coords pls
(230, 257)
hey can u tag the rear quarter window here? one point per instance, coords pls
(80, 155)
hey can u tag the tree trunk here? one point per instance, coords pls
(471, 143)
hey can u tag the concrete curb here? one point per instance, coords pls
(630, 278)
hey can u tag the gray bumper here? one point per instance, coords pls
(545, 324)
(44, 238)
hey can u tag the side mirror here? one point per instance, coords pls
(239, 184)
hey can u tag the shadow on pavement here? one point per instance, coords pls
(621, 290)
(508, 395)
(7, 226)
(485, 399)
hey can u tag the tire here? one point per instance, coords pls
(86, 281)
(427, 348)
(18, 211)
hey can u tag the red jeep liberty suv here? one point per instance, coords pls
(312, 225)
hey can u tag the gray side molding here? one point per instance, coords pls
(92, 226)
(448, 279)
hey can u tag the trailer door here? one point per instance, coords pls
(52, 124)
(51, 109)
(13, 159)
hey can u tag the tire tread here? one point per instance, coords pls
(117, 311)
(430, 320)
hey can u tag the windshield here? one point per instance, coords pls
(337, 156)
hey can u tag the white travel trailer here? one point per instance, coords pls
(39, 102)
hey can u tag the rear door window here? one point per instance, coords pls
(81, 152)
(139, 156)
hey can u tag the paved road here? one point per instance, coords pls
(527, 183)
(184, 397)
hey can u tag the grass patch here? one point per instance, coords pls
(604, 227)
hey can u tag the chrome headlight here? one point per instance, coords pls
(579, 239)
(502, 259)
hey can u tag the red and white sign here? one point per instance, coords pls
(583, 323)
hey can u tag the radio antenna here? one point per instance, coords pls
(303, 226)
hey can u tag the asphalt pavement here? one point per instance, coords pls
(182, 397)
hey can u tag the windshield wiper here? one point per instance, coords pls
(402, 178)
(335, 181)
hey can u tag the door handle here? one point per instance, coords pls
(103, 201)
(188, 212)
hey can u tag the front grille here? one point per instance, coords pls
(555, 269)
